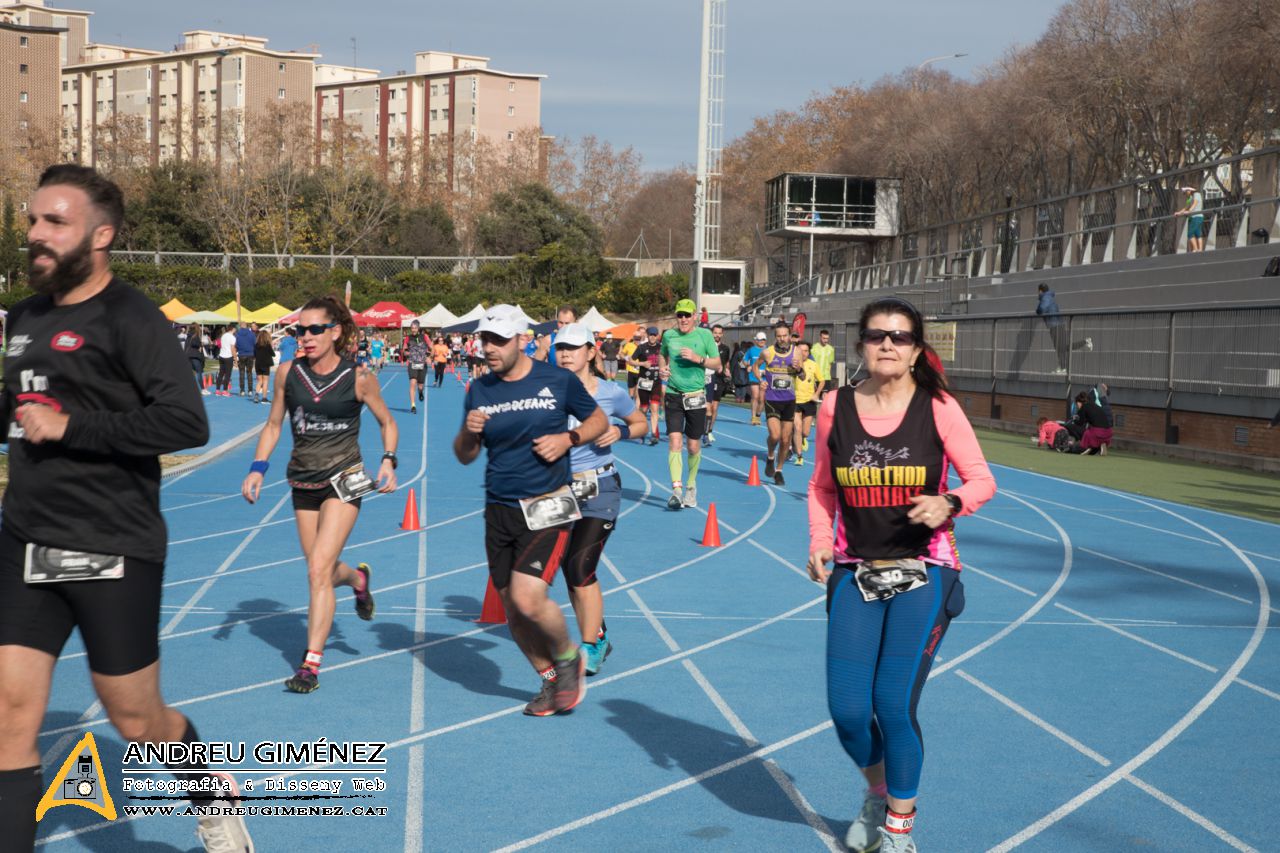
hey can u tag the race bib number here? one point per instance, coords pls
(585, 485)
(645, 384)
(880, 580)
(56, 565)
(550, 510)
(694, 400)
(417, 366)
(780, 383)
(352, 483)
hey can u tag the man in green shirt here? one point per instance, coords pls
(684, 356)
(825, 355)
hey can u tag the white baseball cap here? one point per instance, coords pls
(574, 335)
(505, 321)
(761, 336)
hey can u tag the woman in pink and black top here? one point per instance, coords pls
(885, 448)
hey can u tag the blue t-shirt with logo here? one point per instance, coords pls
(520, 411)
(616, 403)
(749, 359)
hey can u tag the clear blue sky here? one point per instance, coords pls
(625, 70)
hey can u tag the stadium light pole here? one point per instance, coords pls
(915, 84)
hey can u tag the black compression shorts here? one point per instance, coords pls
(312, 499)
(783, 409)
(119, 620)
(512, 547)
(809, 409)
(692, 423)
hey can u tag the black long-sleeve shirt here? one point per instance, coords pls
(110, 364)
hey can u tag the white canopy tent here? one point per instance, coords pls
(436, 318)
(596, 322)
(474, 314)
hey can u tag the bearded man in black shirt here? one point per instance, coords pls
(94, 392)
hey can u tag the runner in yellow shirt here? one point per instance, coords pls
(633, 369)
(824, 355)
(808, 381)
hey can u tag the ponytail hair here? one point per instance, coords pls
(338, 313)
(927, 369)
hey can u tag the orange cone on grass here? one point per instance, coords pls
(753, 476)
(711, 533)
(492, 612)
(410, 521)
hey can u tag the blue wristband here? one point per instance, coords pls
(259, 466)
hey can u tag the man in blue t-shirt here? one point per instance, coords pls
(519, 412)
(289, 345)
(246, 340)
(750, 356)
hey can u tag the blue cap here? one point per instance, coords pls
(652, 330)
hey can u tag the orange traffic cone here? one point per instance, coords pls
(711, 533)
(753, 476)
(492, 612)
(410, 521)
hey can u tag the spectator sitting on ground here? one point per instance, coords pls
(1090, 426)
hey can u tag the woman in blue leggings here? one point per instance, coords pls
(879, 506)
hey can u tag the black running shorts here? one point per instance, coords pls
(632, 379)
(119, 620)
(692, 423)
(512, 547)
(809, 409)
(312, 499)
(715, 388)
(650, 397)
(784, 409)
(419, 374)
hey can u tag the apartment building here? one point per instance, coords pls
(191, 103)
(414, 121)
(73, 24)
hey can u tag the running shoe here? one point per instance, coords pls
(804, 443)
(422, 394)
(709, 439)
(303, 681)
(777, 479)
(224, 833)
(1102, 450)
(364, 598)
(596, 653)
(864, 832)
(755, 420)
(768, 467)
(413, 410)
(204, 392)
(691, 496)
(570, 685)
(544, 704)
(896, 842)
(677, 497)
(799, 460)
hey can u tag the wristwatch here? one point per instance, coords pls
(391, 457)
(956, 503)
(574, 438)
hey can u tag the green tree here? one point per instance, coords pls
(11, 240)
(425, 231)
(532, 216)
(159, 217)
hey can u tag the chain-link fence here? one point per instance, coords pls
(1229, 351)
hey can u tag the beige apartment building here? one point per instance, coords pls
(192, 103)
(416, 121)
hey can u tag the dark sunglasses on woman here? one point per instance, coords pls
(898, 337)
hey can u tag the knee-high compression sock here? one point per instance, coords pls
(193, 772)
(20, 792)
(676, 463)
(695, 462)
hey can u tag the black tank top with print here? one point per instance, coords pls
(877, 477)
(325, 415)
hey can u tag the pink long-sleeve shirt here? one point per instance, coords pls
(960, 448)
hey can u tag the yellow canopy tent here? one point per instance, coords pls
(229, 310)
(173, 309)
(267, 314)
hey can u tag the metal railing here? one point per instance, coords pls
(1136, 219)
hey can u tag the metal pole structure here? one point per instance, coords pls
(706, 235)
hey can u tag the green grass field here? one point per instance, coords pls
(1198, 484)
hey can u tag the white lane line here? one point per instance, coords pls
(804, 573)
(220, 498)
(179, 472)
(1009, 526)
(173, 623)
(1193, 816)
(1034, 720)
(1159, 648)
(1270, 694)
(252, 528)
(1174, 731)
(415, 789)
(969, 567)
(792, 793)
(1171, 577)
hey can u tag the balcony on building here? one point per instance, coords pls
(831, 207)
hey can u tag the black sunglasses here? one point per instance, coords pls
(316, 328)
(877, 336)
(683, 315)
